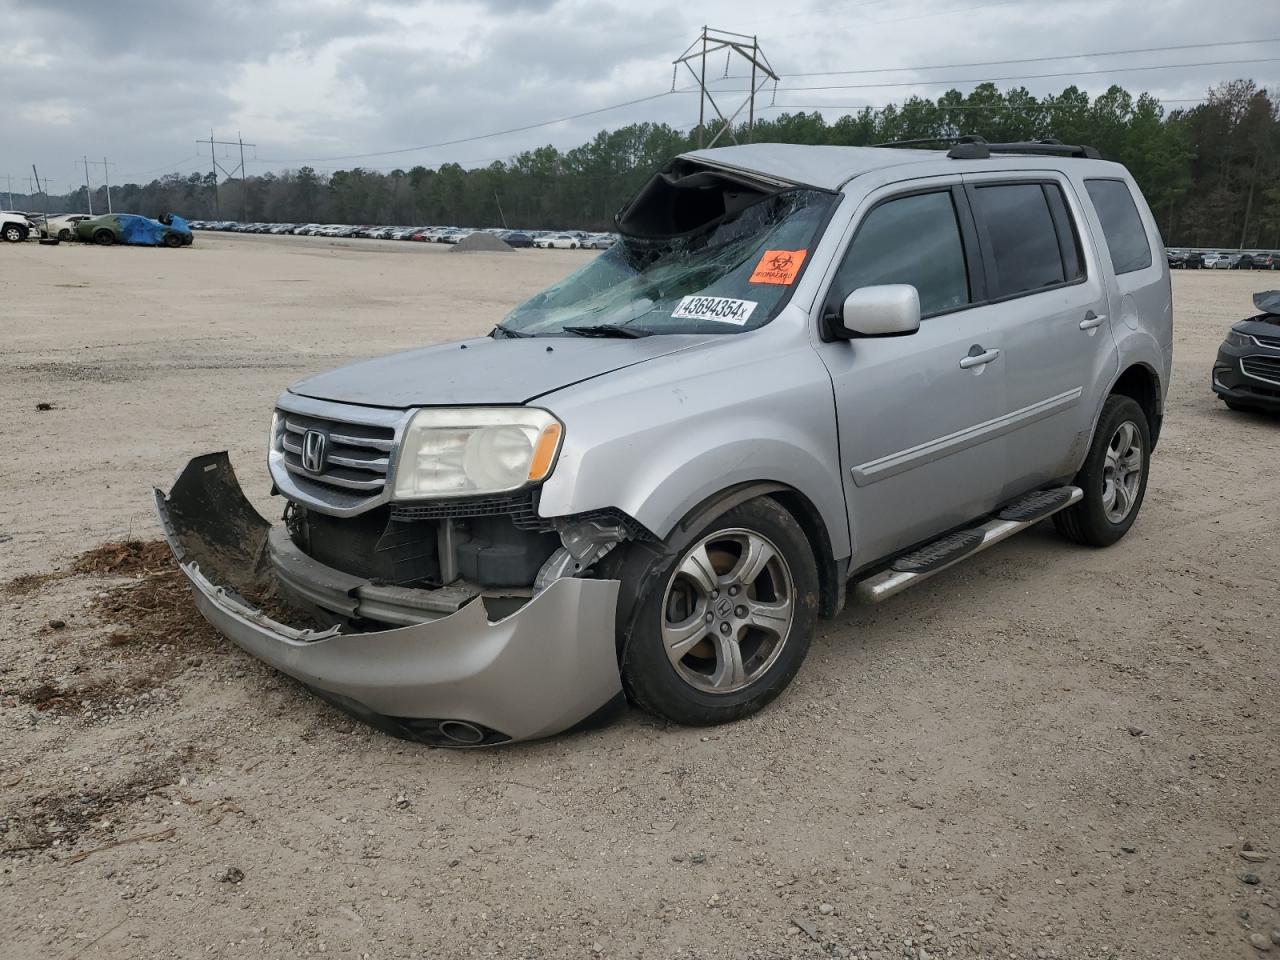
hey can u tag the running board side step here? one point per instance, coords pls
(923, 563)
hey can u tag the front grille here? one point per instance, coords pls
(1263, 368)
(356, 455)
(1268, 341)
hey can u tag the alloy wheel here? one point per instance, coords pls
(1122, 472)
(728, 611)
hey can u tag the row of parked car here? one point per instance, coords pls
(546, 239)
(1218, 260)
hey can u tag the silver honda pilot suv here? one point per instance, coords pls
(800, 370)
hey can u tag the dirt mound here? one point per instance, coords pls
(125, 558)
(481, 243)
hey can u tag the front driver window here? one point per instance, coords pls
(913, 240)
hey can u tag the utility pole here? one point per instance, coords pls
(229, 174)
(106, 179)
(498, 201)
(88, 190)
(9, 179)
(712, 41)
(45, 205)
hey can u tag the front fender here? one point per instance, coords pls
(658, 439)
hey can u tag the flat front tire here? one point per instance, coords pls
(721, 623)
(1113, 478)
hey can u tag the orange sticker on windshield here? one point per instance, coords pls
(779, 266)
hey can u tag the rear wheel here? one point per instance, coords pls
(64, 234)
(1113, 478)
(722, 624)
(104, 237)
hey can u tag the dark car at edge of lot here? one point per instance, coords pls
(1246, 375)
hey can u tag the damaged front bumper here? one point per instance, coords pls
(458, 680)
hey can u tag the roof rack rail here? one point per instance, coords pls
(920, 141)
(978, 149)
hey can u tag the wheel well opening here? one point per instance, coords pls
(830, 581)
(1140, 384)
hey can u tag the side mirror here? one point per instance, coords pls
(889, 310)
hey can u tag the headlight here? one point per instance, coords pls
(461, 451)
(1239, 339)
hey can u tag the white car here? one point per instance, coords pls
(561, 241)
(14, 226)
(64, 227)
(1217, 261)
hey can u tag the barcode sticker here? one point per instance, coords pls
(719, 309)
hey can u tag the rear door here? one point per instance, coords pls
(1048, 303)
(918, 415)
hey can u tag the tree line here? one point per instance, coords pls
(1211, 172)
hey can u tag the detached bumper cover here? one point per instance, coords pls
(541, 670)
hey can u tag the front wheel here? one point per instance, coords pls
(172, 240)
(722, 624)
(14, 233)
(1113, 478)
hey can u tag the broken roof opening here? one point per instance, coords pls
(686, 197)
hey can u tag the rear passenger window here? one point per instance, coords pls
(1030, 241)
(913, 240)
(1121, 225)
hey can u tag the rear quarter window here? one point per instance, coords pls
(1121, 226)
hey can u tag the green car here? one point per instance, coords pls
(171, 230)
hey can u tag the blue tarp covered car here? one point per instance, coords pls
(170, 230)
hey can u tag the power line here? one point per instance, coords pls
(1025, 76)
(1005, 63)
(931, 103)
(482, 136)
(165, 167)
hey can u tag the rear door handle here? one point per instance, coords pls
(1092, 320)
(977, 360)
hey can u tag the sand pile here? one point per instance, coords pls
(481, 243)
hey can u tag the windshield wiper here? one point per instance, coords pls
(508, 332)
(609, 330)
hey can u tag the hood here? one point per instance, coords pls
(1263, 325)
(485, 371)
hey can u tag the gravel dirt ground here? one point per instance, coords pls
(1048, 751)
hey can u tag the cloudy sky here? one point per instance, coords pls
(322, 81)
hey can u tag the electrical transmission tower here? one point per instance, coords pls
(746, 47)
(229, 174)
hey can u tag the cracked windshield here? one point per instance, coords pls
(730, 275)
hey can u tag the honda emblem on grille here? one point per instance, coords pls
(313, 444)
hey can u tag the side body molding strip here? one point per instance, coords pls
(894, 464)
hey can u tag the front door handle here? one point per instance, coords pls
(1092, 320)
(978, 359)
